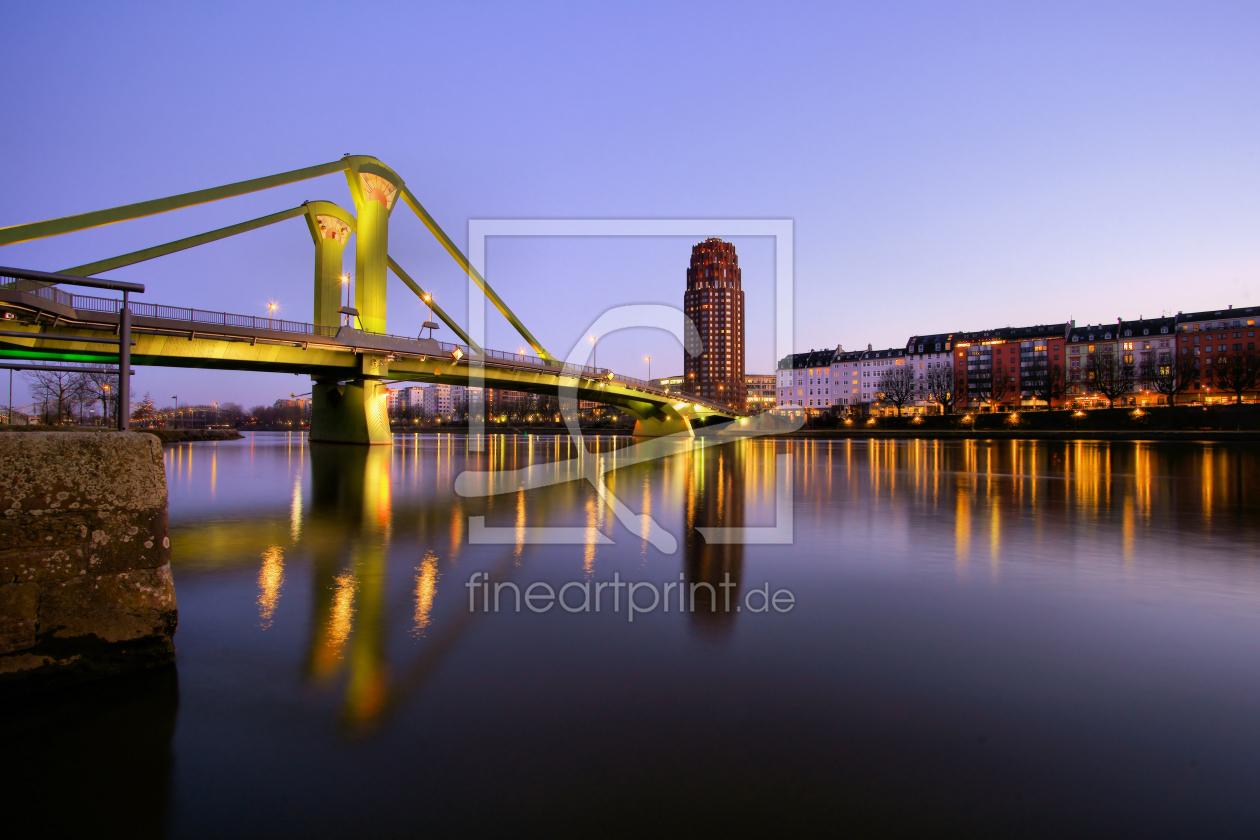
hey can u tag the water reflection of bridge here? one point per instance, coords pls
(388, 563)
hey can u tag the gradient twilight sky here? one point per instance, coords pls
(948, 166)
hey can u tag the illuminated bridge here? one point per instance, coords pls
(348, 364)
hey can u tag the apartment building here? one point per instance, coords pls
(761, 392)
(1211, 336)
(846, 379)
(1127, 344)
(445, 400)
(1001, 368)
(925, 353)
(410, 398)
(872, 365)
(804, 381)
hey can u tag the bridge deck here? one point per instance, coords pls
(185, 337)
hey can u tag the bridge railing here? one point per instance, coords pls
(153, 310)
(227, 319)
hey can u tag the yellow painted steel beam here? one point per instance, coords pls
(96, 218)
(440, 235)
(437, 310)
(329, 362)
(182, 244)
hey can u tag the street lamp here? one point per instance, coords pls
(345, 284)
(594, 352)
(648, 359)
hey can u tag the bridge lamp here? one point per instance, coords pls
(457, 354)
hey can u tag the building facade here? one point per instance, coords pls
(445, 400)
(804, 381)
(1001, 368)
(926, 353)
(761, 392)
(846, 380)
(714, 301)
(1213, 336)
(1129, 345)
(872, 364)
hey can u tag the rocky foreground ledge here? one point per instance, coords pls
(85, 577)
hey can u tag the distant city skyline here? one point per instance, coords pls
(946, 168)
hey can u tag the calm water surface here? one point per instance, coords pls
(1009, 638)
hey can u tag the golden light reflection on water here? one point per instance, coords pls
(426, 591)
(270, 579)
(341, 619)
(342, 512)
(295, 511)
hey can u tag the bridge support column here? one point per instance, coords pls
(330, 228)
(657, 421)
(350, 412)
(375, 191)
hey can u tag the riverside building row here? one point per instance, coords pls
(1047, 365)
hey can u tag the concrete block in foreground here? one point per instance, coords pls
(85, 576)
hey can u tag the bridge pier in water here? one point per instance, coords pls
(350, 412)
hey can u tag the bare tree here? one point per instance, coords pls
(1170, 376)
(1236, 373)
(1048, 381)
(943, 386)
(101, 386)
(459, 405)
(1111, 376)
(988, 386)
(897, 385)
(59, 391)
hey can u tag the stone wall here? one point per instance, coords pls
(85, 577)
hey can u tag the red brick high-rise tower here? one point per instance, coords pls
(714, 302)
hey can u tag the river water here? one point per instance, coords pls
(1006, 638)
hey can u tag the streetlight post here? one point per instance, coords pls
(124, 365)
(648, 359)
(594, 354)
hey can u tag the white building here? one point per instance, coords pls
(445, 400)
(845, 379)
(872, 365)
(804, 381)
(925, 353)
(403, 398)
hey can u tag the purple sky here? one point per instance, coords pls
(948, 166)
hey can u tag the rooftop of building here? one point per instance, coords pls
(1228, 314)
(890, 353)
(929, 342)
(1122, 329)
(1015, 333)
(812, 359)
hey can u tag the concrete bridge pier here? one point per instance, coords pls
(651, 420)
(350, 412)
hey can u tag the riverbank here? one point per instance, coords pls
(164, 435)
(1191, 435)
